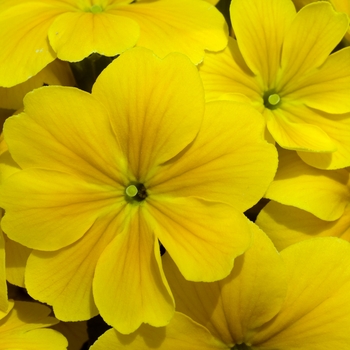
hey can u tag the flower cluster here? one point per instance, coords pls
(177, 186)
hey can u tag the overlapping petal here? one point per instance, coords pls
(328, 88)
(55, 73)
(64, 134)
(150, 108)
(3, 286)
(260, 27)
(236, 160)
(182, 334)
(321, 29)
(64, 278)
(24, 327)
(226, 72)
(184, 227)
(337, 127)
(129, 284)
(23, 32)
(54, 209)
(16, 260)
(297, 136)
(249, 297)
(193, 26)
(76, 35)
(323, 193)
(287, 225)
(316, 311)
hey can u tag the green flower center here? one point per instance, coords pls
(96, 9)
(271, 100)
(135, 192)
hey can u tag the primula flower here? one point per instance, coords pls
(108, 174)
(24, 326)
(298, 299)
(41, 30)
(281, 62)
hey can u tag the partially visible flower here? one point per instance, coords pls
(108, 175)
(298, 299)
(55, 73)
(281, 62)
(34, 32)
(24, 326)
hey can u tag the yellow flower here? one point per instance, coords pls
(34, 33)
(23, 326)
(298, 299)
(281, 62)
(108, 174)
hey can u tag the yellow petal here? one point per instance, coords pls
(75, 332)
(260, 28)
(76, 35)
(228, 162)
(3, 286)
(202, 237)
(16, 260)
(156, 106)
(23, 33)
(182, 333)
(328, 88)
(249, 297)
(226, 72)
(321, 29)
(23, 328)
(286, 225)
(189, 27)
(53, 209)
(60, 130)
(296, 136)
(323, 193)
(316, 312)
(63, 278)
(132, 289)
(337, 128)
(55, 73)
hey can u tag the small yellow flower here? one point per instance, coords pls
(34, 33)
(281, 61)
(108, 175)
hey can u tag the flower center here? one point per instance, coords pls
(136, 192)
(96, 9)
(271, 100)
